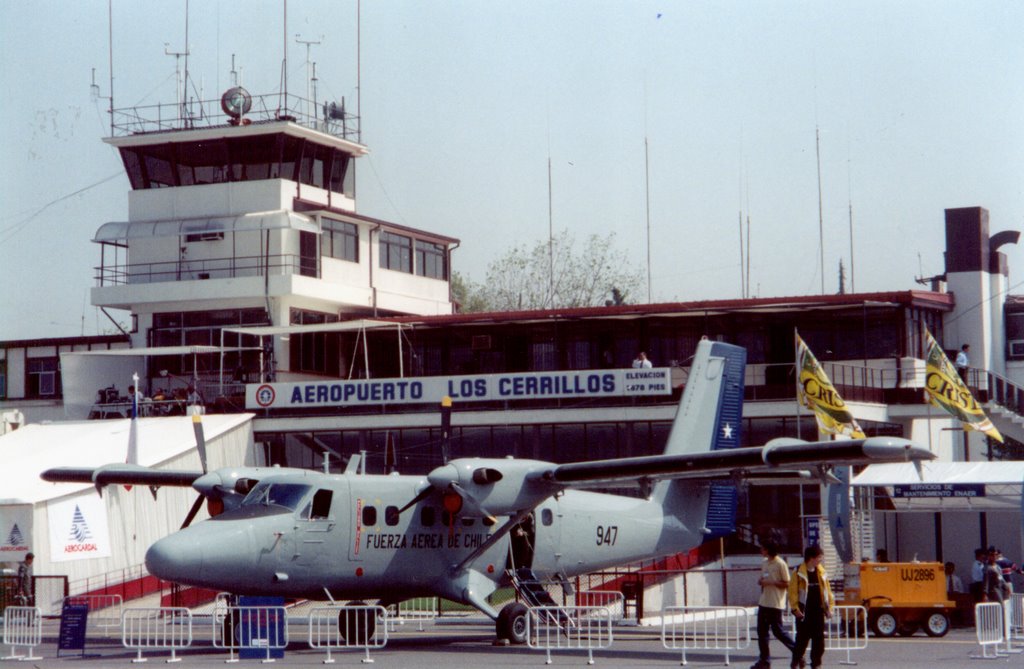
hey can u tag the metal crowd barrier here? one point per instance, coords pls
(989, 628)
(348, 627)
(418, 609)
(237, 628)
(706, 629)
(613, 600)
(105, 611)
(569, 628)
(165, 628)
(1008, 622)
(847, 630)
(1015, 620)
(23, 626)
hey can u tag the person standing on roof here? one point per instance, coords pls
(962, 362)
(641, 361)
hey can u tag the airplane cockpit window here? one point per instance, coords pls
(369, 516)
(391, 515)
(287, 495)
(321, 505)
(427, 516)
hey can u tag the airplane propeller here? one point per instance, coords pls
(197, 428)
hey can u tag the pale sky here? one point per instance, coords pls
(919, 106)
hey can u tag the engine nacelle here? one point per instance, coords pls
(500, 486)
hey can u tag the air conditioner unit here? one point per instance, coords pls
(481, 342)
(1017, 348)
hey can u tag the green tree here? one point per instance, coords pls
(565, 274)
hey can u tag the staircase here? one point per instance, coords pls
(1003, 401)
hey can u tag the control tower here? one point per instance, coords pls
(242, 212)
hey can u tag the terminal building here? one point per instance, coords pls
(255, 287)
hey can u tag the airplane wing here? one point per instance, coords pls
(121, 475)
(776, 456)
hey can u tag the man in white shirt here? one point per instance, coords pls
(962, 363)
(641, 361)
(774, 584)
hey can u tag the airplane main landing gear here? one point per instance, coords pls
(511, 623)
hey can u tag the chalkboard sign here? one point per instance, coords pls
(73, 619)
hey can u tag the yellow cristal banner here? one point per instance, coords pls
(816, 392)
(948, 391)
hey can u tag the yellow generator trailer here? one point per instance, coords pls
(900, 597)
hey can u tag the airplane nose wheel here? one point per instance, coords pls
(357, 626)
(511, 623)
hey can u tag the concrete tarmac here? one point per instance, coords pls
(471, 644)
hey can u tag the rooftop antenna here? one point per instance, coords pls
(179, 90)
(647, 211)
(849, 191)
(310, 75)
(234, 72)
(94, 88)
(284, 60)
(821, 218)
(743, 279)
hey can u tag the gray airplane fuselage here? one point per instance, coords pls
(341, 536)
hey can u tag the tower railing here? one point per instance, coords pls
(327, 117)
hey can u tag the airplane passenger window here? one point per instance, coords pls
(468, 521)
(546, 516)
(427, 516)
(446, 518)
(321, 504)
(369, 516)
(488, 521)
(391, 515)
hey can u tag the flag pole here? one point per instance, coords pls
(796, 378)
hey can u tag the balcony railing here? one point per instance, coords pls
(327, 117)
(208, 268)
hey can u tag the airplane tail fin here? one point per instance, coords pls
(709, 418)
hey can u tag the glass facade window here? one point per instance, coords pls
(203, 328)
(430, 260)
(396, 252)
(3, 379)
(340, 240)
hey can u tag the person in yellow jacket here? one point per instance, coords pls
(811, 601)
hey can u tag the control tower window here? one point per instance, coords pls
(396, 252)
(430, 260)
(339, 239)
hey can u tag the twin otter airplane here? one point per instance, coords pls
(461, 531)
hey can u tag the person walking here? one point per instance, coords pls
(811, 601)
(774, 583)
(994, 586)
(24, 592)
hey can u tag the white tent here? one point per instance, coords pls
(123, 523)
(948, 486)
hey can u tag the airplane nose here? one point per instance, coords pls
(175, 558)
(213, 554)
